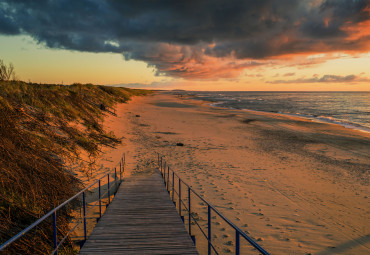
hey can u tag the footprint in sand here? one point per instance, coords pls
(229, 243)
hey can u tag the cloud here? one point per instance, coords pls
(289, 74)
(193, 39)
(325, 78)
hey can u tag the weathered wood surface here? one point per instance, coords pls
(141, 220)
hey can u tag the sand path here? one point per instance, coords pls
(297, 186)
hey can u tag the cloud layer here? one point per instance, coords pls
(325, 78)
(193, 39)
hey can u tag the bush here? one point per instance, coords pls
(6, 71)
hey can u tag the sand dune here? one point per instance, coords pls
(296, 186)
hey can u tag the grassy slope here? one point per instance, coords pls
(38, 130)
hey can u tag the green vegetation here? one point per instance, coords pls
(41, 126)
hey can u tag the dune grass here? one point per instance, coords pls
(40, 126)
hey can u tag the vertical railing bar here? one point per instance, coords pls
(237, 243)
(123, 164)
(168, 178)
(55, 241)
(120, 170)
(209, 230)
(99, 199)
(161, 164)
(164, 172)
(173, 186)
(115, 180)
(189, 210)
(180, 197)
(108, 191)
(84, 213)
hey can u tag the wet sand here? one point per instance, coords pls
(296, 186)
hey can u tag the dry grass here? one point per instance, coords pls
(38, 130)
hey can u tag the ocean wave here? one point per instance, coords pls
(346, 109)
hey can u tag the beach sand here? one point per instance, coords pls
(296, 186)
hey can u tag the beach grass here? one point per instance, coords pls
(41, 127)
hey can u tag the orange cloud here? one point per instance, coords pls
(190, 62)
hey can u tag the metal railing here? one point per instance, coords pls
(184, 204)
(110, 191)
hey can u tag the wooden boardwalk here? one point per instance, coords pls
(141, 220)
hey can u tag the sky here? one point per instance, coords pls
(245, 45)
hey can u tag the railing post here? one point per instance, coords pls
(164, 172)
(161, 163)
(189, 211)
(115, 181)
(180, 200)
(209, 230)
(120, 170)
(55, 241)
(99, 199)
(84, 211)
(108, 191)
(237, 243)
(168, 179)
(173, 186)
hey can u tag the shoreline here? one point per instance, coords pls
(296, 185)
(312, 117)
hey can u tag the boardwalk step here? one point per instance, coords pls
(142, 219)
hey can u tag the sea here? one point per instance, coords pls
(349, 109)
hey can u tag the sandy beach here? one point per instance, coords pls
(296, 186)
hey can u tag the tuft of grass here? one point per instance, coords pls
(40, 126)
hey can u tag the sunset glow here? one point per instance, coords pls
(304, 45)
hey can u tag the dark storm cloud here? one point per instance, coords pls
(168, 33)
(7, 25)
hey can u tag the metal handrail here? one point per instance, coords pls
(165, 171)
(53, 212)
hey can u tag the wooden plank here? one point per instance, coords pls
(141, 220)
